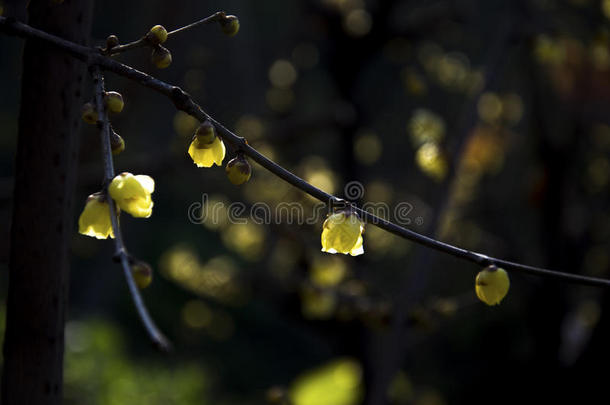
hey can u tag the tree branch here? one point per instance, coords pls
(184, 102)
(121, 252)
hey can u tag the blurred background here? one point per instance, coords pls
(487, 119)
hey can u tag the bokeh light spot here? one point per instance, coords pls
(327, 271)
(306, 55)
(432, 161)
(489, 107)
(282, 74)
(196, 314)
(336, 383)
(425, 126)
(357, 22)
(367, 148)
(250, 127)
(184, 124)
(280, 100)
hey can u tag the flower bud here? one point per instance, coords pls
(114, 101)
(238, 170)
(111, 42)
(161, 57)
(205, 135)
(117, 144)
(142, 274)
(157, 35)
(229, 25)
(89, 113)
(491, 285)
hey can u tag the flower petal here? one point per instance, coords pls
(342, 234)
(147, 182)
(132, 194)
(209, 156)
(201, 157)
(358, 248)
(95, 221)
(218, 147)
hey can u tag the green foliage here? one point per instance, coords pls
(98, 371)
(336, 383)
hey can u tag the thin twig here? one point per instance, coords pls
(121, 252)
(184, 102)
(208, 20)
(142, 42)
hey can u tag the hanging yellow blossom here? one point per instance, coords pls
(94, 221)
(342, 233)
(207, 148)
(492, 285)
(207, 157)
(132, 194)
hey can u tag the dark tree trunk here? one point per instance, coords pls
(42, 223)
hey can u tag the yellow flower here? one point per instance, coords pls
(94, 221)
(342, 233)
(207, 156)
(491, 285)
(132, 194)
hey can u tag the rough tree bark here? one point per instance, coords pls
(42, 223)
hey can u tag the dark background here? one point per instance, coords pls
(521, 89)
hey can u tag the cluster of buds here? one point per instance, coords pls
(161, 57)
(207, 149)
(132, 193)
(113, 102)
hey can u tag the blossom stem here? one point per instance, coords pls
(121, 252)
(184, 102)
